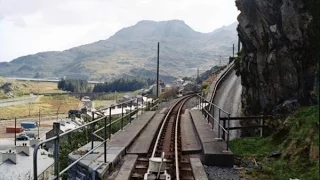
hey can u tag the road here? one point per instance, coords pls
(45, 80)
(17, 101)
(228, 97)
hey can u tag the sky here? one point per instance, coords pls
(32, 26)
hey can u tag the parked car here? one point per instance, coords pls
(23, 137)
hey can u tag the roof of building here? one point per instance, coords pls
(24, 168)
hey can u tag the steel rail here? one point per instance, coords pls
(176, 138)
(163, 124)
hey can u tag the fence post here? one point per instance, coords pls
(262, 126)
(212, 117)
(151, 108)
(219, 127)
(92, 130)
(208, 113)
(137, 109)
(121, 117)
(201, 103)
(228, 135)
(130, 111)
(110, 123)
(56, 131)
(223, 132)
(105, 139)
(142, 106)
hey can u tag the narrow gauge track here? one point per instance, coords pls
(168, 140)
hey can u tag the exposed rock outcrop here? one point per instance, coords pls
(280, 59)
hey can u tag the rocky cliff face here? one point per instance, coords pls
(280, 57)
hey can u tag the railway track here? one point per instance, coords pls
(167, 144)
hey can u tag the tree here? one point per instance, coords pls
(123, 85)
(74, 85)
(58, 102)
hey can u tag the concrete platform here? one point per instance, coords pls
(214, 151)
(164, 111)
(130, 132)
(93, 164)
(190, 141)
(127, 167)
(197, 169)
(142, 144)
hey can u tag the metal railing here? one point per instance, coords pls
(47, 173)
(204, 105)
(211, 108)
(249, 118)
(57, 135)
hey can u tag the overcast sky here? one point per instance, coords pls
(31, 26)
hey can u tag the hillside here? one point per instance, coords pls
(132, 52)
(291, 151)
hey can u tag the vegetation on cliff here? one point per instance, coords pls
(297, 138)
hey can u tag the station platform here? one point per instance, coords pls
(127, 167)
(190, 141)
(213, 150)
(93, 165)
(197, 169)
(142, 144)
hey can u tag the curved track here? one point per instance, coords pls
(168, 140)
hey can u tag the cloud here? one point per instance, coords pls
(61, 24)
(20, 22)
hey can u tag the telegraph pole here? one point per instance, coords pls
(15, 131)
(39, 125)
(232, 50)
(197, 73)
(158, 70)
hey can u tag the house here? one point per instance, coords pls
(65, 125)
(16, 163)
(125, 98)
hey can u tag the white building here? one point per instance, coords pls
(18, 164)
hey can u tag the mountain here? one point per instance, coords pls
(132, 52)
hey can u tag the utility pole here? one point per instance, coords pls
(232, 50)
(158, 70)
(197, 73)
(39, 125)
(15, 131)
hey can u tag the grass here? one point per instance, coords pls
(28, 87)
(20, 88)
(99, 103)
(48, 106)
(297, 139)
